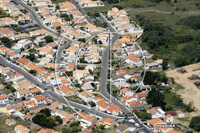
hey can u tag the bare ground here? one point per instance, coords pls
(190, 93)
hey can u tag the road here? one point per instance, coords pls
(38, 20)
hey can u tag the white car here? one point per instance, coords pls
(137, 125)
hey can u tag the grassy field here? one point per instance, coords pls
(4, 127)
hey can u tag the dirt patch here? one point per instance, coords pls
(190, 93)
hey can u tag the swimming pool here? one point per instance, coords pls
(15, 47)
(20, 115)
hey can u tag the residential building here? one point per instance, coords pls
(136, 105)
(107, 122)
(10, 122)
(122, 128)
(126, 92)
(21, 129)
(168, 118)
(3, 99)
(86, 96)
(67, 91)
(156, 112)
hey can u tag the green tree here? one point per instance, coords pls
(48, 39)
(57, 7)
(66, 130)
(46, 111)
(75, 123)
(195, 123)
(155, 98)
(33, 72)
(165, 64)
(6, 41)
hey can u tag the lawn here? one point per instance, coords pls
(4, 127)
(58, 1)
(34, 128)
(68, 109)
(7, 91)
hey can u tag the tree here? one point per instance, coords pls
(31, 57)
(46, 111)
(26, 111)
(92, 103)
(58, 119)
(6, 42)
(33, 72)
(57, 7)
(48, 39)
(75, 123)
(102, 127)
(9, 87)
(165, 64)
(155, 98)
(195, 123)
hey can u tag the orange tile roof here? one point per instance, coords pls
(3, 96)
(136, 104)
(71, 65)
(24, 91)
(145, 86)
(68, 118)
(40, 69)
(66, 89)
(107, 120)
(52, 44)
(114, 108)
(156, 121)
(86, 94)
(39, 97)
(45, 130)
(12, 53)
(168, 116)
(21, 35)
(142, 95)
(18, 74)
(125, 90)
(102, 103)
(87, 131)
(35, 90)
(23, 60)
(128, 97)
(87, 118)
(21, 128)
(133, 58)
(178, 112)
(7, 19)
(56, 24)
(121, 72)
(31, 66)
(9, 120)
(64, 81)
(56, 104)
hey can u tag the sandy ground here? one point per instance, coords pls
(191, 93)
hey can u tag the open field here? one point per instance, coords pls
(190, 93)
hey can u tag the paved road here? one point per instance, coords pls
(38, 20)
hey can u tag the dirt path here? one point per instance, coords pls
(191, 93)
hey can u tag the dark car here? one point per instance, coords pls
(4, 82)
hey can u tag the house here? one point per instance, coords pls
(88, 87)
(80, 73)
(88, 121)
(40, 70)
(107, 122)
(21, 129)
(61, 113)
(3, 99)
(19, 36)
(10, 122)
(24, 43)
(114, 110)
(122, 128)
(46, 130)
(23, 61)
(70, 66)
(136, 105)
(121, 72)
(131, 59)
(44, 50)
(19, 76)
(90, 67)
(67, 91)
(40, 99)
(180, 114)
(40, 32)
(168, 118)
(52, 45)
(126, 92)
(128, 99)
(153, 125)
(145, 88)
(13, 55)
(102, 105)
(85, 96)
(5, 32)
(92, 28)
(69, 119)
(35, 91)
(96, 99)
(116, 78)
(141, 95)
(23, 93)
(156, 112)
(9, 21)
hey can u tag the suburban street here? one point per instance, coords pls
(103, 75)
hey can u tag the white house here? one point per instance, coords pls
(126, 92)
(102, 105)
(156, 112)
(88, 87)
(168, 118)
(19, 76)
(23, 93)
(10, 122)
(3, 99)
(131, 59)
(13, 55)
(24, 43)
(85, 96)
(40, 99)
(179, 113)
(88, 121)
(21, 129)
(128, 99)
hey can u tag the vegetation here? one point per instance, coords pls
(143, 114)
(195, 123)
(66, 17)
(3, 14)
(192, 21)
(9, 87)
(48, 39)
(6, 41)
